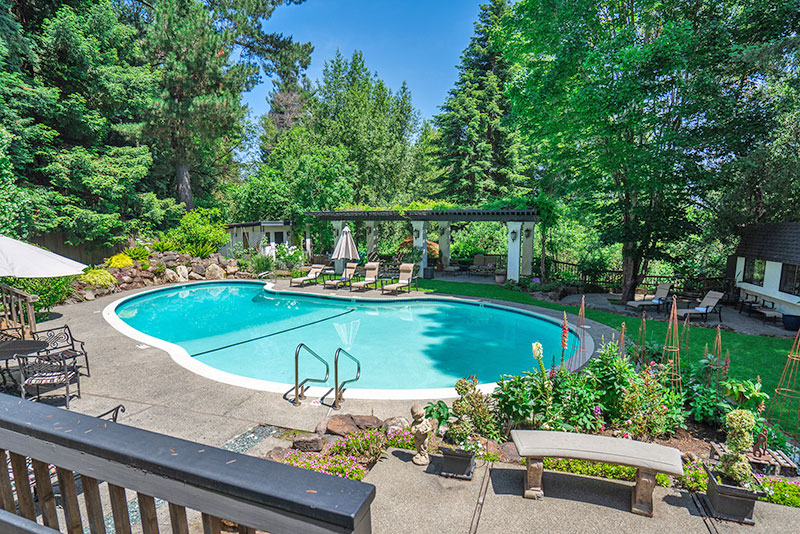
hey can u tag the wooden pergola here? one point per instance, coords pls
(520, 230)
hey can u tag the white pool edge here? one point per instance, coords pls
(180, 356)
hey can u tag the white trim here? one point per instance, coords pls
(182, 358)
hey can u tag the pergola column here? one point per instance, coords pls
(307, 242)
(421, 241)
(338, 226)
(527, 248)
(514, 235)
(372, 238)
(444, 243)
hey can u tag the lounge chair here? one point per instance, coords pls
(345, 279)
(312, 276)
(370, 277)
(406, 277)
(709, 304)
(662, 292)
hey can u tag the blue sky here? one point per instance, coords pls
(419, 41)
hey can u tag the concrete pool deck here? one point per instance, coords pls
(162, 396)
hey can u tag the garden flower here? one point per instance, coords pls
(597, 411)
(564, 333)
(537, 350)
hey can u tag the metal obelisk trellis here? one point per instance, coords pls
(716, 362)
(622, 341)
(685, 336)
(641, 349)
(784, 408)
(582, 331)
(671, 357)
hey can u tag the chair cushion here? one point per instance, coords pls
(55, 377)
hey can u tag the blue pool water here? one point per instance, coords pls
(242, 329)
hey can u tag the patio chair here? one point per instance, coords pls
(51, 370)
(345, 279)
(406, 277)
(313, 275)
(662, 292)
(370, 277)
(710, 304)
(60, 342)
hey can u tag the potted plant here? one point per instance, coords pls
(458, 451)
(729, 494)
(500, 276)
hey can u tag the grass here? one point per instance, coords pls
(751, 356)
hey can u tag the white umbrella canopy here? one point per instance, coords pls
(345, 248)
(22, 260)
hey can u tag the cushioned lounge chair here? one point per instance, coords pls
(345, 279)
(658, 299)
(313, 275)
(709, 304)
(406, 277)
(370, 277)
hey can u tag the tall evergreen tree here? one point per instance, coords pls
(479, 151)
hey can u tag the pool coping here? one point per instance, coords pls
(180, 356)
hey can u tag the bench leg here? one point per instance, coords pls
(533, 478)
(642, 496)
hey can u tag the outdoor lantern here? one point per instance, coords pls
(527, 233)
(513, 235)
(416, 234)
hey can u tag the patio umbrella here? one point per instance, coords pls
(345, 248)
(22, 260)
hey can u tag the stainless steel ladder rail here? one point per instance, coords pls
(339, 388)
(300, 387)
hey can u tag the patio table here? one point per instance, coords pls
(10, 349)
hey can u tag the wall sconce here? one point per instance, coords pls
(513, 235)
(527, 233)
(416, 234)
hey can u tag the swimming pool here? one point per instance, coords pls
(241, 333)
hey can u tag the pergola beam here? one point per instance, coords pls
(465, 215)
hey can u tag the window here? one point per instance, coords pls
(278, 238)
(790, 279)
(754, 271)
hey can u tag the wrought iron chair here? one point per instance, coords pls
(50, 370)
(61, 343)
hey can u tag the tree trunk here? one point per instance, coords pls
(184, 185)
(631, 276)
(542, 262)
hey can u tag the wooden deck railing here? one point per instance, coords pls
(109, 462)
(16, 310)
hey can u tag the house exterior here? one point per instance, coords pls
(259, 234)
(768, 264)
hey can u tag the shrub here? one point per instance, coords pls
(336, 465)
(613, 376)
(161, 268)
(202, 230)
(694, 477)
(580, 401)
(649, 409)
(164, 245)
(119, 261)
(138, 253)
(746, 394)
(51, 291)
(367, 445)
(438, 410)
(400, 438)
(98, 278)
(599, 469)
(734, 464)
(475, 407)
(144, 264)
(780, 490)
(261, 263)
(289, 257)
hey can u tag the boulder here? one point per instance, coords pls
(215, 272)
(147, 274)
(308, 442)
(199, 268)
(171, 276)
(396, 423)
(194, 276)
(126, 279)
(169, 257)
(341, 425)
(147, 282)
(367, 421)
(89, 294)
(277, 454)
(182, 272)
(231, 269)
(322, 426)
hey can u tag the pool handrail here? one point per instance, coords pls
(339, 388)
(300, 387)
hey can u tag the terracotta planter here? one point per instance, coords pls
(500, 278)
(732, 503)
(457, 463)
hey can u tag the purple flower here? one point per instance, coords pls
(597, 411)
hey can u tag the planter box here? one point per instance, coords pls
(732, 503)
(500, 278)
(791, 322)
(457, 463)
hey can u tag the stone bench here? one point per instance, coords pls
(647, 458)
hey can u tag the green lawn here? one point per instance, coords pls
(751, 356)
